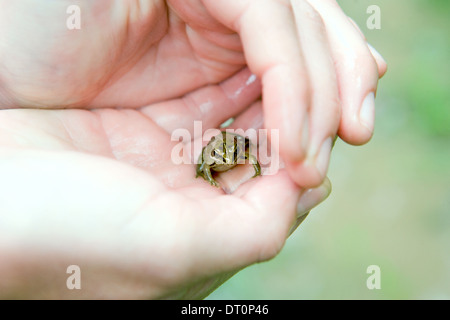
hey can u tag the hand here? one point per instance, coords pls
(98, 189)
(318, 74)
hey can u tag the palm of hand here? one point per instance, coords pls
(178, 228)
(103, 180)
(129, 59)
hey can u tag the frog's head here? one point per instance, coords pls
(225, 150)
(234, 148)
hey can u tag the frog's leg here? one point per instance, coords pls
(252, 159)
(207, 175)
(204, 171)
(199, 170)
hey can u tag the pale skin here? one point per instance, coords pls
(92, 185)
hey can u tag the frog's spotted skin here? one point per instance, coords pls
(224, 152)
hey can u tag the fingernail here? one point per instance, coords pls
(297, 223)
(323, 157)
(375, 53)
(367, 112)
(312, 197)
(308, 200)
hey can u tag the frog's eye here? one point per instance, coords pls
(216, 154)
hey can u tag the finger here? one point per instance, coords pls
(251, 118)
(211, 105)
(325, 111)
(250, 229)
(254, 227)
(357, 73)
(308, 200)
(288, 208)
(381, 63)
(269, 36)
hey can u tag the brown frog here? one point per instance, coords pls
(222, 153)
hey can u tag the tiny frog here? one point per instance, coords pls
(222, 153)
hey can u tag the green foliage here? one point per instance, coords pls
(426, 84)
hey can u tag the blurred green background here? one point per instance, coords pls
(390, 204)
